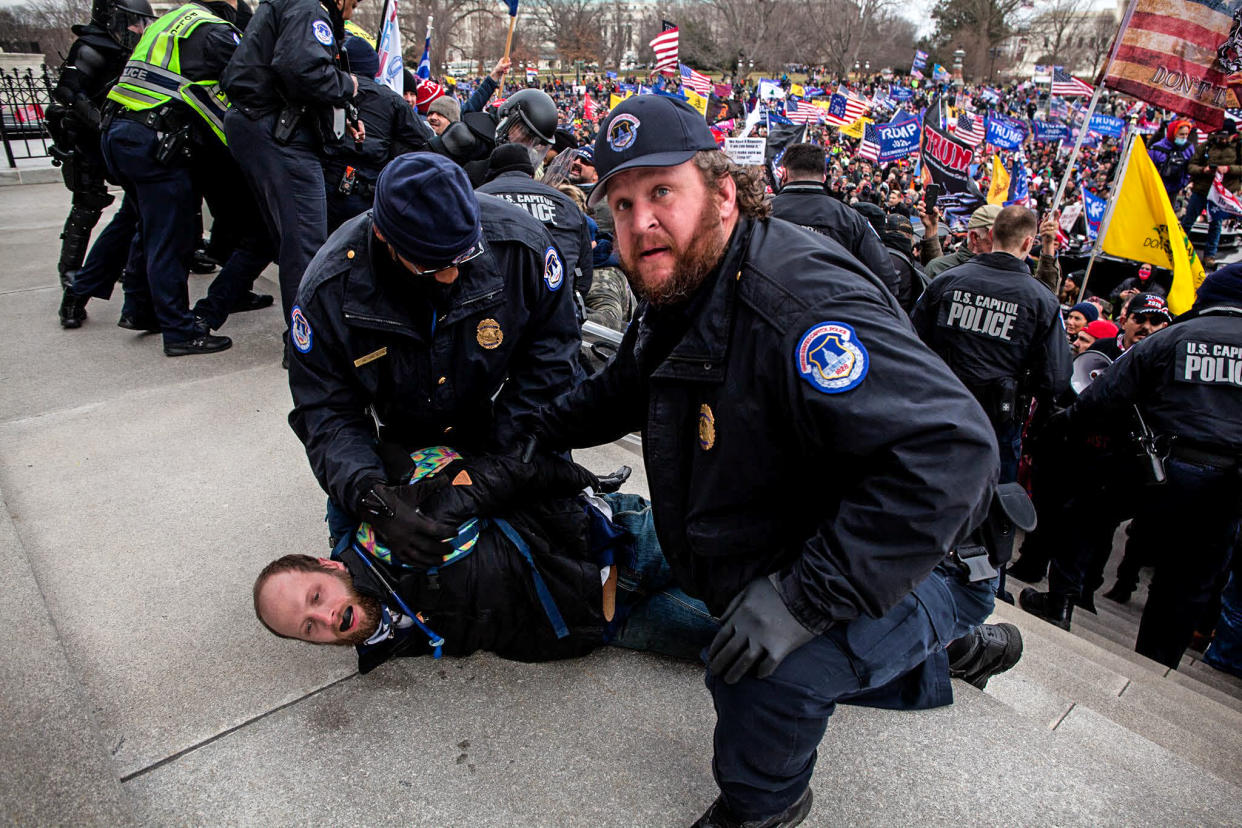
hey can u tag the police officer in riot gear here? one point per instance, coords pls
(999, 330)
(165, 115)
(803, 201)
(1186, 381)
(439, 315)
(528, 117)
(94, 63)
(510, 176)
(289, 97)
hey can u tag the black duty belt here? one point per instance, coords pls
(1205, 455)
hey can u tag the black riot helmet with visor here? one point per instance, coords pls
(534, 109)
(124, 19)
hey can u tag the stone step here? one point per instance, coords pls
(1121, 660)
(56, 770)
(1209, 675)
(1050, 681)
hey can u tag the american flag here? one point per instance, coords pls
(695, 80)
(869, 149)
(1065, 84)
(665, 46)
(801, 112)
(1058, 108)
(969, 129)
(844, 108)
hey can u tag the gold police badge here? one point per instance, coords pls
(489, 334)
(707, 427)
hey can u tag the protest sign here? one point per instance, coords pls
(745, 151)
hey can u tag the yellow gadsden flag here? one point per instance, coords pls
(1143, 227)
(613, 100)
(856, 129)
(696, 100)
(999, 191)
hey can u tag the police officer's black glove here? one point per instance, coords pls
(494, 484)
(413, 537)
(613, 482)
(756, 629)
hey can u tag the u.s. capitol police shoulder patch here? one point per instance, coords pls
(830, 358)
(322, 32)
(300, 330)
(553, 269)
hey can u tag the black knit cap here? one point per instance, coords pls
(426, 209)
(648, 131)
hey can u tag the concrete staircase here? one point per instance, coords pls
(139, 496)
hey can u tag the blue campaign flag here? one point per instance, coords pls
(775, 117)
(424, 63)
(812, 91)
(1019, 184)
(512, 4)
(1107, 125)
(627, 87)
(898, 138)
(610, 75)
(920, 59)
(1047, 131)
(1005, 133)
(1093, 208)
(900, 93)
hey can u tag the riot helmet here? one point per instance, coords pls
(125, 19)
(536, 112)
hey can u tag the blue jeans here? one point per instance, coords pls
(658, 616)
(1225, 651)
(1194, 206)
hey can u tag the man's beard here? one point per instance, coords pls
(690, 266)
(370, 608)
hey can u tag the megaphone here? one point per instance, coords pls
(1087, 366)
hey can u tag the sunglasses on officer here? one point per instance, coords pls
(473, 252)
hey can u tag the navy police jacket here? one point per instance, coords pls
(807, 204)
(464, 367)
(989, 320)
(792, 423)
(557, 212)
(1186, 379)
(288, 56)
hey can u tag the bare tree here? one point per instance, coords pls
(574, 28)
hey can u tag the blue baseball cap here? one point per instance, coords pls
(648, 131)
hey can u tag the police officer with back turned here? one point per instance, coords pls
(288, 96)
(999, 330)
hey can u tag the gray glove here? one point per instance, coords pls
(756, 628)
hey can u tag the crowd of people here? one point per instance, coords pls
(892, 386)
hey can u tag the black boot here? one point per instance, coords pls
(983, 652)
(1028, 568)
(719, 816)
(1053, 608)
(1087, 602)
(1120, 593)
(72, 310)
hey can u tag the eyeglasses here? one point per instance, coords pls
(1150, 318)
(474, 252)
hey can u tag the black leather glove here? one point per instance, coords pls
(495, 484)
(613, 482)
(413, 537)
(756, 628)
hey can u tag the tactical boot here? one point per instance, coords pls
(719, 816)
(1053, 608)
(983, 652)
(72, 310)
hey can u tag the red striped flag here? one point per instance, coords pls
(845, 108)
(665, 46)
(1068, 86)
(869, 149)
(697, 81)
(1180, 55)
(969, 128)
(801, 112)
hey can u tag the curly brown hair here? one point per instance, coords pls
(752, 196)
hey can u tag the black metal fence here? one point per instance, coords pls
(24, 99)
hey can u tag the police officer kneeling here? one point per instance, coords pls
(436, 325)
(811, 463)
